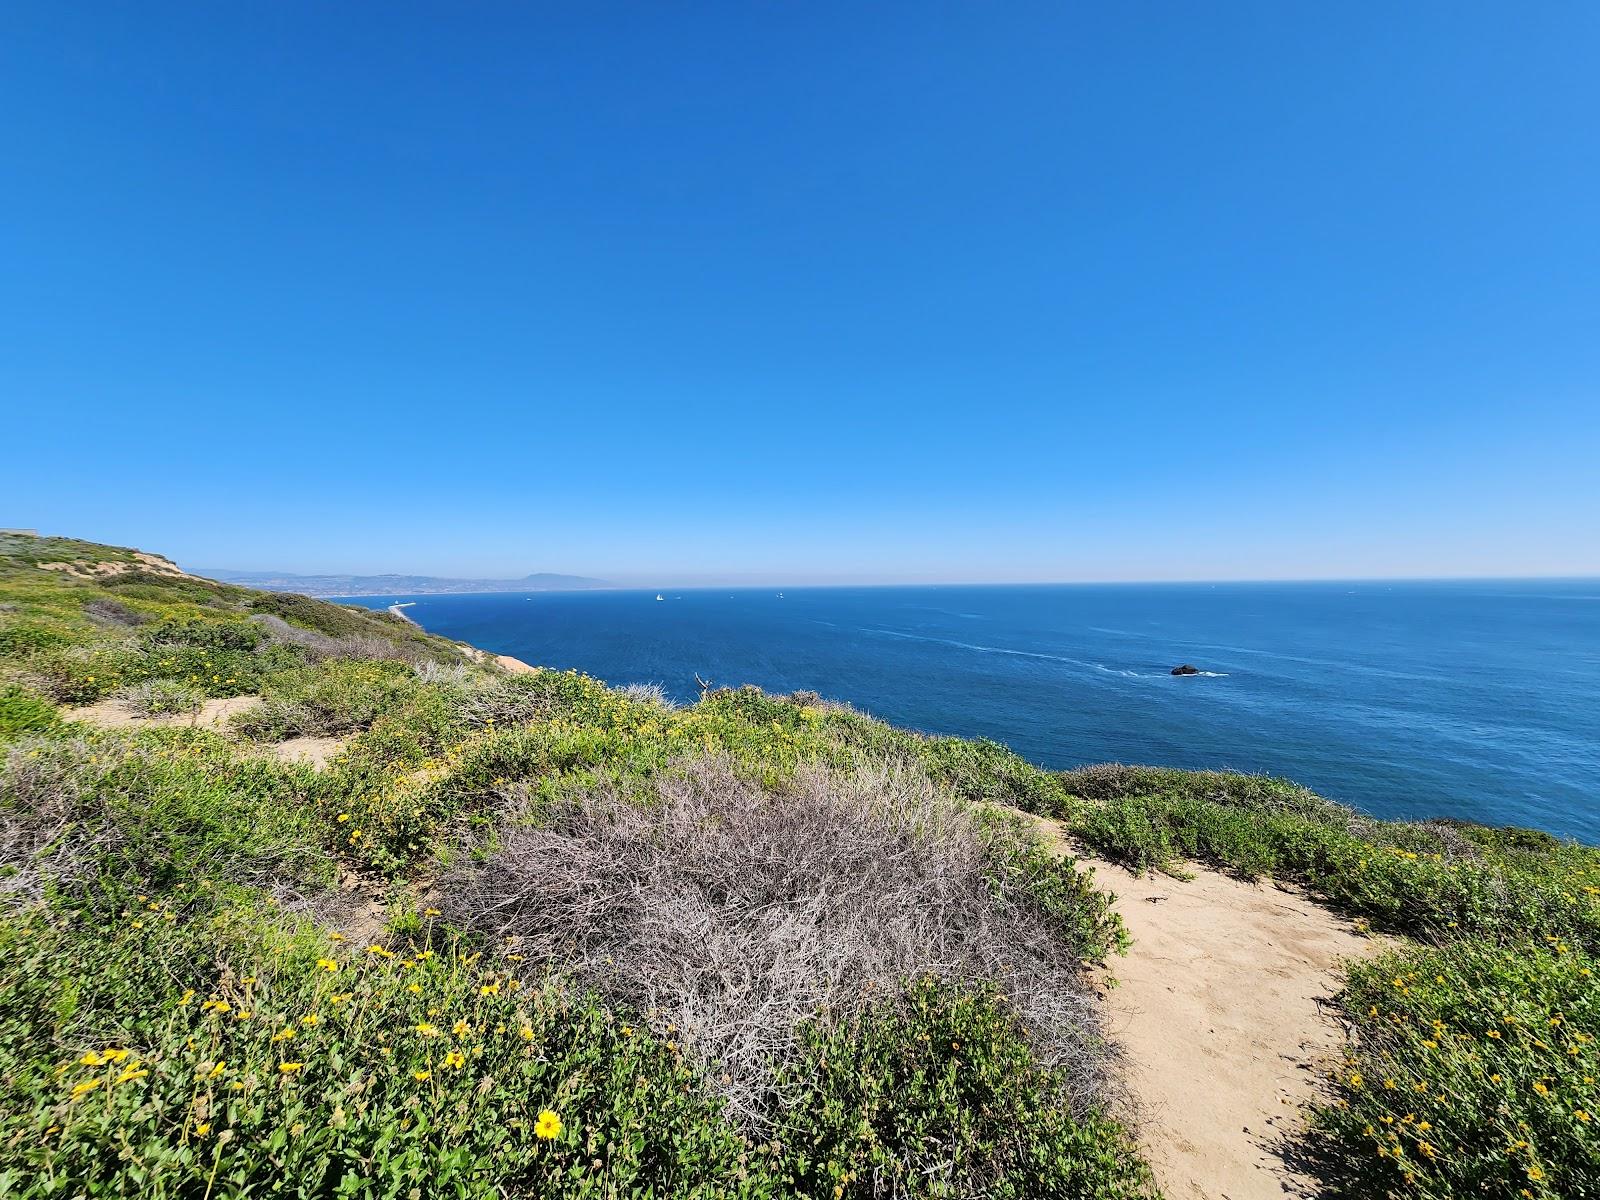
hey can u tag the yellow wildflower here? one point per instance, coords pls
(548, 1125)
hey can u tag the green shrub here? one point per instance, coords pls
(22, 638)
(172, 590)
(939, 1096)
(203, 634)
(986, 770)
(335, 620)
(1062, 888)
(24, 712)
(979, 770)
(1473, 1073)
(135, 1064)
(31, 550)
(330, 698)
(162, 697)
(1426, 880)
(83, 674)
(147, 811)
(1112, 781)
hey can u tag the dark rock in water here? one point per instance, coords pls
(1186, 669)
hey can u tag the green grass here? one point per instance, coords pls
(23, 711)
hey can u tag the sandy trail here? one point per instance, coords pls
(215, 715)
(1221, 1010)
(116, 714)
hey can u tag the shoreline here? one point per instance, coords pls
(505, 662)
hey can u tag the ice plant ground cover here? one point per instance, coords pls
(759, 946)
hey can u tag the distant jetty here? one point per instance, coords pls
(399, 611)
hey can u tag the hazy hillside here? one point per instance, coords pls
(400, 585)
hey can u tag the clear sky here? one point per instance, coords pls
(815, 291)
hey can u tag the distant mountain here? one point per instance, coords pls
(398, 585)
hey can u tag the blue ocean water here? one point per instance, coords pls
(1478, 700)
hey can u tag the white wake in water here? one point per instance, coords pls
(1061, 658)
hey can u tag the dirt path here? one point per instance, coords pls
(214, 715)
(1221, 1011)
(116, 714)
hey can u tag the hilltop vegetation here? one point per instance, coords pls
(191, 1004)
(756, 947)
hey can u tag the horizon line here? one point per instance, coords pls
(608, 586)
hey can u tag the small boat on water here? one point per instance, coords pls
(659, 596)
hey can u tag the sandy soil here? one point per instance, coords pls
(153, 563)
(213, 714)
(313, 751)
(515, 666)
(115, 714)
(1221, 1010)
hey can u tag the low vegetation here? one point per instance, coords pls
(705, 995)
(756, 946)
(737, 913)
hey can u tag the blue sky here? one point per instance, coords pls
(806, 292)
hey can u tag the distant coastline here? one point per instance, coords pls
(402, 585)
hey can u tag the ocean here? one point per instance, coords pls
(1478, 700)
